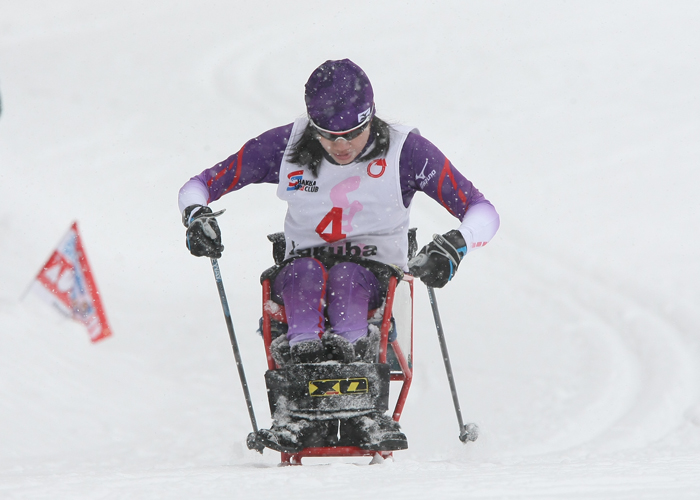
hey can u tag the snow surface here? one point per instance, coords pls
(574, 335)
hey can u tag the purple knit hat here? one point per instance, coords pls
(339, 96)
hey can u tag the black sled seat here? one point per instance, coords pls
(333, 389)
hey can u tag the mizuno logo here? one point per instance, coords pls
(425, 180)
(422, 172)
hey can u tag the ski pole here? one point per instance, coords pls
(251, 441)
(467, 432)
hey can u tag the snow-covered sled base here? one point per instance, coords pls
(573, 335)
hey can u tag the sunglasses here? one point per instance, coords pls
(348, 135)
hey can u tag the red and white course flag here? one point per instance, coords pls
(66, 281)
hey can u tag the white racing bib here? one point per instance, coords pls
(354, 209)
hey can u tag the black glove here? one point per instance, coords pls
(203, 233)
(437, 262)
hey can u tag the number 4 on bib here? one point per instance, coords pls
(334, 219)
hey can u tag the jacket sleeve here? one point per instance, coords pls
(258, 161)
(423, 167)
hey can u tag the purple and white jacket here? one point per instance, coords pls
(421, 167)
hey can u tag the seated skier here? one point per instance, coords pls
(348, 178)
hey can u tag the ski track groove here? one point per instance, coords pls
(658, 380)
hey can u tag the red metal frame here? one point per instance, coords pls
(275, 311)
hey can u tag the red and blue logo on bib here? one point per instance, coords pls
(298, 183)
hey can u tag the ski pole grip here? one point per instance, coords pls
(416, 263)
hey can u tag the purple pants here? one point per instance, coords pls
(347, 291)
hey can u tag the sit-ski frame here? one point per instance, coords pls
(405, 375)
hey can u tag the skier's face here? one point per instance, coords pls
(344, 151)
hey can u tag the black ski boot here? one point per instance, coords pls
(294, 434)
(374, 431)
(338, 348)
(279, 348)
(367, 348)
(308, 351)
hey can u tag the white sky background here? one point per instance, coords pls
(574, 334)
